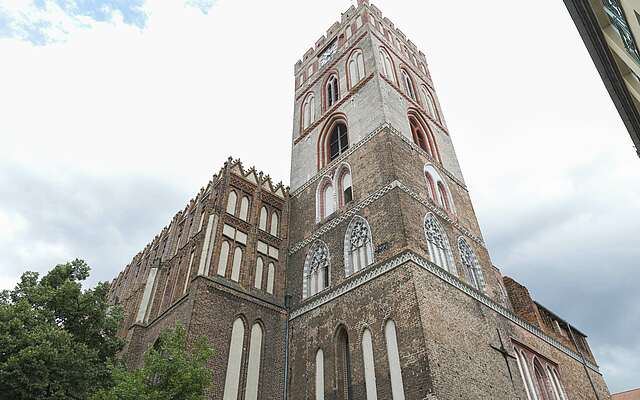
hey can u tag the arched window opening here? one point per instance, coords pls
(387, 65)
(423, 68)
(263, 219)
(223, 259)
(356, 67)
(431, 188)
(369, 366)
(419, 136)
(345, 189)
(429, 103)
(338, 140)
(308, 111)
(258, 278)
(237, 263)
(443, 198)
(397, 386)
(244, 208)
(358, 246)
(542, 381)
(343, 365)
(558, 385)
(316, 270)
(319, 387)
(526, 376)
(471, 265)
(231, 203)
(327, 200)
(274, 224)
(271, 273)
(332, 93)
(437, 244)
(253, 367)
(408, 85)
(234, 362)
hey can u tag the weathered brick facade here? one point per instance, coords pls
(409, 306)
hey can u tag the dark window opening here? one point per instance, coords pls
(338, 141)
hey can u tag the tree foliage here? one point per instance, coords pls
(56, 339)
(171, 371)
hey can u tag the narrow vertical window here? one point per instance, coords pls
(558, 384)
(387, 65)
(258, 279)
(244, 208)
(253, 368)
(234, 363)
(443, 197)
(356, 67)
(408, 85)
(237, 262)
(308, 111)
(271, 272)
(274, 224)
(437, 244)
(201, 223)
(541, 381)
(345, 188)
(343, 365)
(187, 278)
(332, 93)
(431, 188)
(231, 203)
(369, 366)
(328, 204)
(224, 258)
(319, 387)
(471, 264)
(397, 387)
(524, 374)
(263, 218)
(338, 140)
(418, 134)
(429, 104)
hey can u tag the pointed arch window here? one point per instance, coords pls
(470, 264)
(253, 365)
(358, 247)
(231, 203)
(559, 390)
(422, 135)
(234, 362)
(308, 111)
(428, 102)
(274, 224)
(387, 65)
(407, 82)
(338, 140)
(356, 67)
(271, 273)
(263, 218)
(438, 244)
(369, 365)
(223, 259)
(344, 187)
(393, 355)
(438, 189)
(258, 276)
(542, 381)
(236, 265)
(525, 375)
(332, 91)
(244, 208)
(443, 197)
(316, 270)
(326, 200)
(343, 365)
(431, 187)
(319, 386)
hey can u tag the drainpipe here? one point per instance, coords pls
(584, 362)
(287, 301)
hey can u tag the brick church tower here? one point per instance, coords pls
(368, 278)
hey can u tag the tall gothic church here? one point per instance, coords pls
(369, 277)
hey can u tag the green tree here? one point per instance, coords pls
(56, 339)
(171, 371)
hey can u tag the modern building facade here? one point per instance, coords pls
(609, 29)
(369, 277)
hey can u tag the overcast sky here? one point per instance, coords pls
(114, 113)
